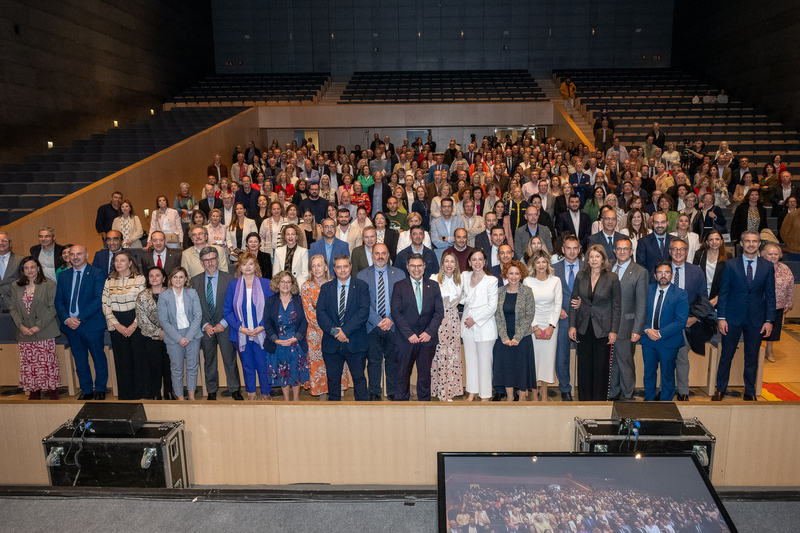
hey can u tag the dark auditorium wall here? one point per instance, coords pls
(70, 68)
(747, 48)
(343, 36)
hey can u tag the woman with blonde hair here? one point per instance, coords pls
(285, 327)
(292, 256)
(446, 373)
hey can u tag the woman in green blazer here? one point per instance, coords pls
(34, 313)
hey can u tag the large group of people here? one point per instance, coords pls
(567, 509)
(368, 263)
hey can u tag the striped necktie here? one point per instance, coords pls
(342, 306)
(381, 295)
(212, 308)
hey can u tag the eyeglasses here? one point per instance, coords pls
(209, 260)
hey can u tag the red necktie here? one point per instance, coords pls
(159, 264)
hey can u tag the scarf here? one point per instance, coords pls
(241, 314)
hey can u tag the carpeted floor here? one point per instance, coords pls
(85, 515)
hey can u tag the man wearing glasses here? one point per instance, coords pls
(190, 258)
(211, 285)
(608, 237)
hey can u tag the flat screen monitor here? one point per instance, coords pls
(577, 493)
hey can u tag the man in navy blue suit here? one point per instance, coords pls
(746, 305)
(78, 304)
(104, 258)
(654, 248)
(417, 247)
(690, 278)
(381, 279)
(566, 270)
(575, 221)
(329, 246)
(607, 237)
(579, 181)
(667, 312)
(418, 311)
(342, 314)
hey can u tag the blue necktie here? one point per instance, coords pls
(750, 273)
(571, 279)
(73, 305)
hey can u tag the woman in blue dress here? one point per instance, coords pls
(285, 328)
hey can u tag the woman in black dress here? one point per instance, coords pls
(513, 364)
(253, 243)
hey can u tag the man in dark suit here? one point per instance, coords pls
(692, 279)
(388, 145)
(250, 152)
(439, 166)
(416, 247)
(710, 217)
(579, 181)
(780, 193)
(505, 254)
(361, 257)
(211, 286)
(9, 270)
(566, 271)
(104, 258)
(659, 138)
(667, 312)
(567, 221)
(633, 281)
(329, 246)
(525, 232)
(379, 194)
(51, 258)
(376, 141)
(654, 248)
(483, 240)
(210, 201)
(381, 279)
(608, 236)
(737, 175)
(218, 169)
(79, 307)
(160, 255)
(342, 314)
(746, 305)
(417, 311)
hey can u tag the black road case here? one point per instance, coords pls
(601, 436)
(154, 458)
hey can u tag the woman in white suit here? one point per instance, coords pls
(240, 227)
(180, 315)
(478, 326)
(167, 221)
(683, 232)
(292, 256)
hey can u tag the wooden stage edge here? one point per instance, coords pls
(395, 444)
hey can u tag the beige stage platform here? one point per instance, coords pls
(391, 444)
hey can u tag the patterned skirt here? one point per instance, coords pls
(38, 366)
(446, 374)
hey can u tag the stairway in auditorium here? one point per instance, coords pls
(636, 98)
(333, 93)
(552, 92)
(43, 179)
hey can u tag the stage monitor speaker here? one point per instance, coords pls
(653, 418)
(112, 419)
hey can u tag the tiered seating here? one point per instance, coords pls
(43, 179)
(441, 86)
(249, 89)
(636, 98)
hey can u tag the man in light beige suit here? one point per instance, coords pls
(346, 232)
(190, 259)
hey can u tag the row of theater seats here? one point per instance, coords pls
(242, 88)
(635, 98)
(440, 86)
(43, 179)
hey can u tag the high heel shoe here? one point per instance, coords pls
(35, 395)
(54, 394)
(770, 357)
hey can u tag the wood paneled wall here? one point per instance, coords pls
(73, 216)
(350, 443)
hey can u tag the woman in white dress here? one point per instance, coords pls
(547, 296)
(478, 325)
(446, 373)
(684, 233)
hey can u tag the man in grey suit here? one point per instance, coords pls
(633, 279)
(608, 236)
(380, 277)
(362, 255)
(524, 233)
(566, 271)
(9, 270)
(213, 282)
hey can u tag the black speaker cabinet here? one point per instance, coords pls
(155, 457)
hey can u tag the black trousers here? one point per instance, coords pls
(381, 348)
(334, 363)
(593, 355)
(423, 357)
(133, 381)
(158, 367)
(209, 345)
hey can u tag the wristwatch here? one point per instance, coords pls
(552, 326)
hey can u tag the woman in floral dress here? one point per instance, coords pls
(285, 327)
(446, 376)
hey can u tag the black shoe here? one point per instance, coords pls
(212, 396)
(85, 396)
(566, 396)
(718, 396)
(276, 392)
(236, 395)
(683, 397)
(614, 398)
(100, 395)
(749, 398)
(169, 396)
(374, 397)
(390, 397)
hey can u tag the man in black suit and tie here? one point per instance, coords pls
(211, 286)
(161, 256)
(608, 237)
(379, 194)
(210, 201)
(104, 259)
(342, 314)
(746, 305)
(566, 271)
(483, 240)
(654, 248)
(575, 221)
(418, 311)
